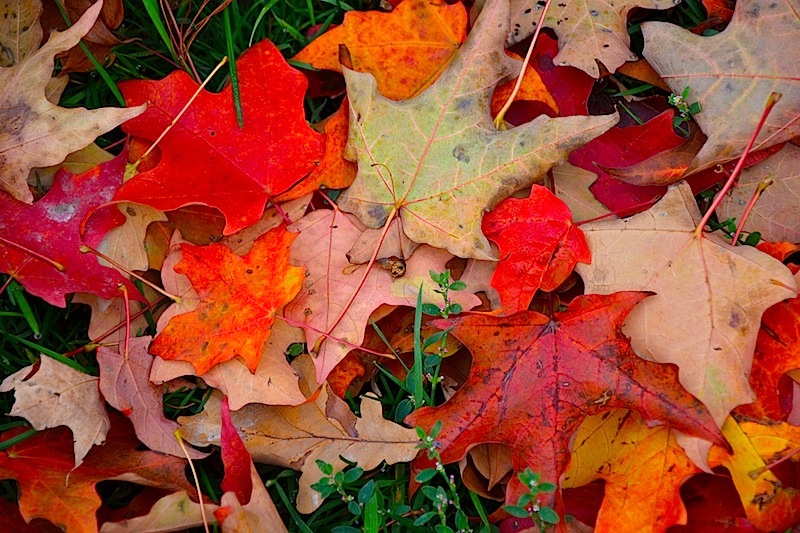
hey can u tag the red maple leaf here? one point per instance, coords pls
(539, 246)
(51, 229)
(533, 380)
(207, 158)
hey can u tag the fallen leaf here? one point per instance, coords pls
(321, 248)
(406, 50)
(20, 30)
(588, 31)
(295, 437)
(51, 228)
(125, 244)
(572, 187)
(534, 379)
(100, 39)
(643, 466)
(732, 74)
(259, 515)
(206, 158)
(709, 295)
(239, 297)
(57, 395)
(174, 512)
(433, 166)
(108, 318)
(37, 133)
(125, 384)
(50, 488)
(768, 505)
(539, 246)
(776, 215)
(235, 459)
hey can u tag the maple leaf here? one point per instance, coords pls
(768, 505)
(125, 244)
(37, 133)
(571, 185)
(709, 295)
(206, 158)
(406, 50)
(437, 160)
(295, 437)
(534, 379)
(588, 30)
(125, 384)
(239, 297)
(530, 264)
(41, 464)
(776, 215)
(57, 395)
(321, 247)
(20, 31)
(732, 74)
(51, 228)
(643, 466)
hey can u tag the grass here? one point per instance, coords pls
(28, 326)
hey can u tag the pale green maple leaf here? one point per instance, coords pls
(437, 161)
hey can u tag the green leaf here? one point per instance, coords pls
(516, 511)
(354, 508)
(353, 475)
(424, 518)
(458, 286)
(431, 309)
(426, 475)
(366, 492)
(326, 468)
(548, 515)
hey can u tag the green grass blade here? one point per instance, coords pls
(237, 101)
(151, 6)
(50, 353)
(16, 440)
(417, 370)
(17, 294)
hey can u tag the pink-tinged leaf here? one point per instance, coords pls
(236, 459)
(539, 246)
(51, 229)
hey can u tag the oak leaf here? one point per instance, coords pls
(207, 158)
(51, 488)
(588, 31)
(173, 512)
(55, 394)
(776, 215)
(643, 466)
(767, 503)
(731, 74)
(20, 30)
(33, 131)
(321, 247)
(125, 244)
(295, 437)
(534, 379)
(406, 50)
(437, 161)
(239, 297)
(539, 246)
(51, 228)
(709, 295)
(125, 384)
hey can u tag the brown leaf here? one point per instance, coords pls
(58, 395)
(20, 30)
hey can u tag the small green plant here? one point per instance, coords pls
(529, 504)
(685, 109)
(445, 286)
(341, 482)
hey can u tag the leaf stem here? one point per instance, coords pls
(55, 264)
(773, 99)
(765, 182)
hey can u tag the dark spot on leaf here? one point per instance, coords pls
(753, 12)
(460, 153)
(249, 270)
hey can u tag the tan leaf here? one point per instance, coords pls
(776, 215)
(78, 162)
(588, 30)
(108, 317)
(125, 244)
(58, 395)
(732, 74)
(295, 437)
(572, 187)
(259, 515)
(20, 30)
(173, 512)
(33, 131)
(709, 295)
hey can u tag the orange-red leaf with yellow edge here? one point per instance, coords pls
(769, 505)
(643, 466)
(51, 489)
(206, 157)
(534, 379)
(239, 297)
(405, 50)
(539, 246)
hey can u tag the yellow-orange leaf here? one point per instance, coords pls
(239, 297)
